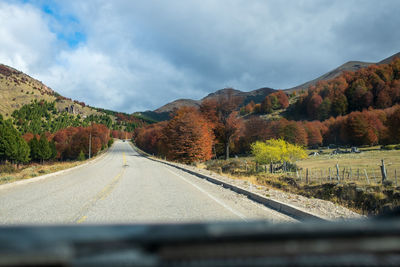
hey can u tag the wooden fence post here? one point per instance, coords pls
(366, 175)
(337, 172)
(343, 173)
(395, 177)
(358, 174)
(307, 176)
(350, 174)
(330, 174)
(383, 171)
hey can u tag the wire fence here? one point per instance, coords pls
(381, 175)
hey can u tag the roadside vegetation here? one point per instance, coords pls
(10, 173)
(38, 134)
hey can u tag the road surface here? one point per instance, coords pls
(124, 187)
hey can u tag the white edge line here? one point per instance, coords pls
(210, 196)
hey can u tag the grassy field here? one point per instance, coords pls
(355, 165)
(33, 170)
(355, 190)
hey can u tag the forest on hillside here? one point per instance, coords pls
(356, 108)
(37, 132)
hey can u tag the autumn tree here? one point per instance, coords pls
(188, 137)
(394, 125)
(223, 118)
(149, 138)
(276, 151)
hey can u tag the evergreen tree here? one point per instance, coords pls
(34, 146)
(12, 146)
(44, 148)
(53, 149)
(81, 156)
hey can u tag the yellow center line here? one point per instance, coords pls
(103, 194)
(81, 219)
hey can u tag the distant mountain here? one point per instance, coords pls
(18, 89)
(349, 66)
(389, 59)
(178, 104)
(163, 113)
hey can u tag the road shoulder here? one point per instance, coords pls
(296, 206)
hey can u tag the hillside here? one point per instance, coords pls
(349, 66)
(257, 96)
(22, 97)
(18, 89)
(162, 113)
(178, 104)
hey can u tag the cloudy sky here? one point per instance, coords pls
(138, 55)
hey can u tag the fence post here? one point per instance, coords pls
(366, 175)
(337, 172)
(383, 171)
(395, 177)
(307, 176)
(330, 174)
(358, 174)
(350, 174)
(344, 169)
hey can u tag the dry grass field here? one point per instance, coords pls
(355, 165)
(33, 170)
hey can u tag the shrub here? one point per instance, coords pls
(81, 156)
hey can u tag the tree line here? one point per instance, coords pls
(376, 86)
(216, 129)
(195, 134)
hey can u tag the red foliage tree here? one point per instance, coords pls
(223, 119)
(149, 138)
(314, 136)
(188, 137)
(394, 125)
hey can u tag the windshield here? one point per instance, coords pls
(245, 116)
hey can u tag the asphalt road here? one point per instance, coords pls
(124, 187)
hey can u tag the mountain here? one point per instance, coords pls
(18, 89)
(349, 66)
(163, 113)
(178, 104)
(389, 59)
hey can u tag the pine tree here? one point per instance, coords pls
(44, 148)
(53, 149)
(34, 146)
(81, 156)
(12, 146)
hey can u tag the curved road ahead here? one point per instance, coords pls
(124, 187)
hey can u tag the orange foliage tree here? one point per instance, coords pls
(188, 137)
(223, 118)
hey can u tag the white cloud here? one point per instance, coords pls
(25, 39)
(140, 55)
